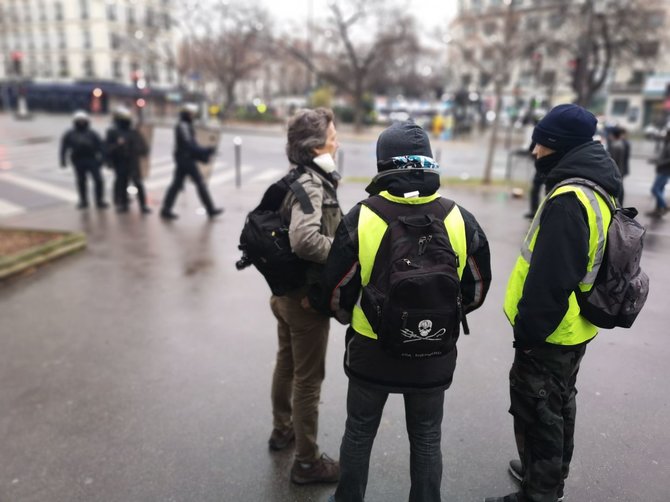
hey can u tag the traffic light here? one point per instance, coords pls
(17, 60)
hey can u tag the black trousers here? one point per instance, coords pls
(182, 171)
(542, 392)
(124, 176)
(82, 170)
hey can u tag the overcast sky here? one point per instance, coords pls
(429, 12)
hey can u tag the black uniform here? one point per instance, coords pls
(86, 154)
(125, 146)
(187, 153)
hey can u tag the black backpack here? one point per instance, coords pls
(621, 287)
(83, 144)
(264, 240)
(413, 300)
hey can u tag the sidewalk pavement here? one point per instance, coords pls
(140, 370)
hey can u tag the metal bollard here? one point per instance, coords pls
(237, 142)
(340, 162)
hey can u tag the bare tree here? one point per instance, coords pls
(601, 36)
(229, 45)
(366, 35)
(495, 46)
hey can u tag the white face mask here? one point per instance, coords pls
(326, 162)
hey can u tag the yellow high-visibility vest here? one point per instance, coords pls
(573, 328)
(371, 229)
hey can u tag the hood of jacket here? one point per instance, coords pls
(400, 183)
(590, 161)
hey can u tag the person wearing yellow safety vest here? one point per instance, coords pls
(559, 258)
(408, 178)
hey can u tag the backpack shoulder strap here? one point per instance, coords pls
(378, 205)
(447, 205)
(298, 190)
(589, 184)
(389, 211)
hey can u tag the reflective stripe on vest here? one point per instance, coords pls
(573, 328)
(371, 230)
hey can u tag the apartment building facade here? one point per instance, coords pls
(66, 40)
(538, 68)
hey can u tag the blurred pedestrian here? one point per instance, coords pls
(662, 163)
(187, 154)
(559, 258)
(303, 332)
(530, 121)
(85, 149)
(619, 150)
(125, 147)
(442, 244)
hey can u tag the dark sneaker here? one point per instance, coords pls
(322, 470)
(102, 205)
(215, 212)
(82, 205)
(529, 215)
(280, 440)
(517, 471)
(146, 210)
(657, 213)
(167, 215)
(122, 209)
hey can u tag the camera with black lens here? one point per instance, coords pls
(243, 262)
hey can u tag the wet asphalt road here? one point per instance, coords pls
(139, 370)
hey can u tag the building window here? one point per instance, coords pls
(86, 38)
(655, 19)
(61, 40)
(619, 107)
(533, 23)
(647, 49)
(111, 12)
(131, 15)
(58, 11)
(88, 67)
(556, 19)
(150, 18)
(83, 8)
(63, 69)
(114, 41)
(637, 78)
(490, 28)
(116, 69)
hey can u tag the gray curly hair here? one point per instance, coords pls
(307, 130)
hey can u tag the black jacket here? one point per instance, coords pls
(364, 360)
(84, 147)
(663, 161)
(125, 146)
(561, 251)
(187, 150)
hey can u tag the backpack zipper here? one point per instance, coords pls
(424, 240)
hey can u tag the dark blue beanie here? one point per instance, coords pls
(565, 127)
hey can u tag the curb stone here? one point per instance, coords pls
(70, 242)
